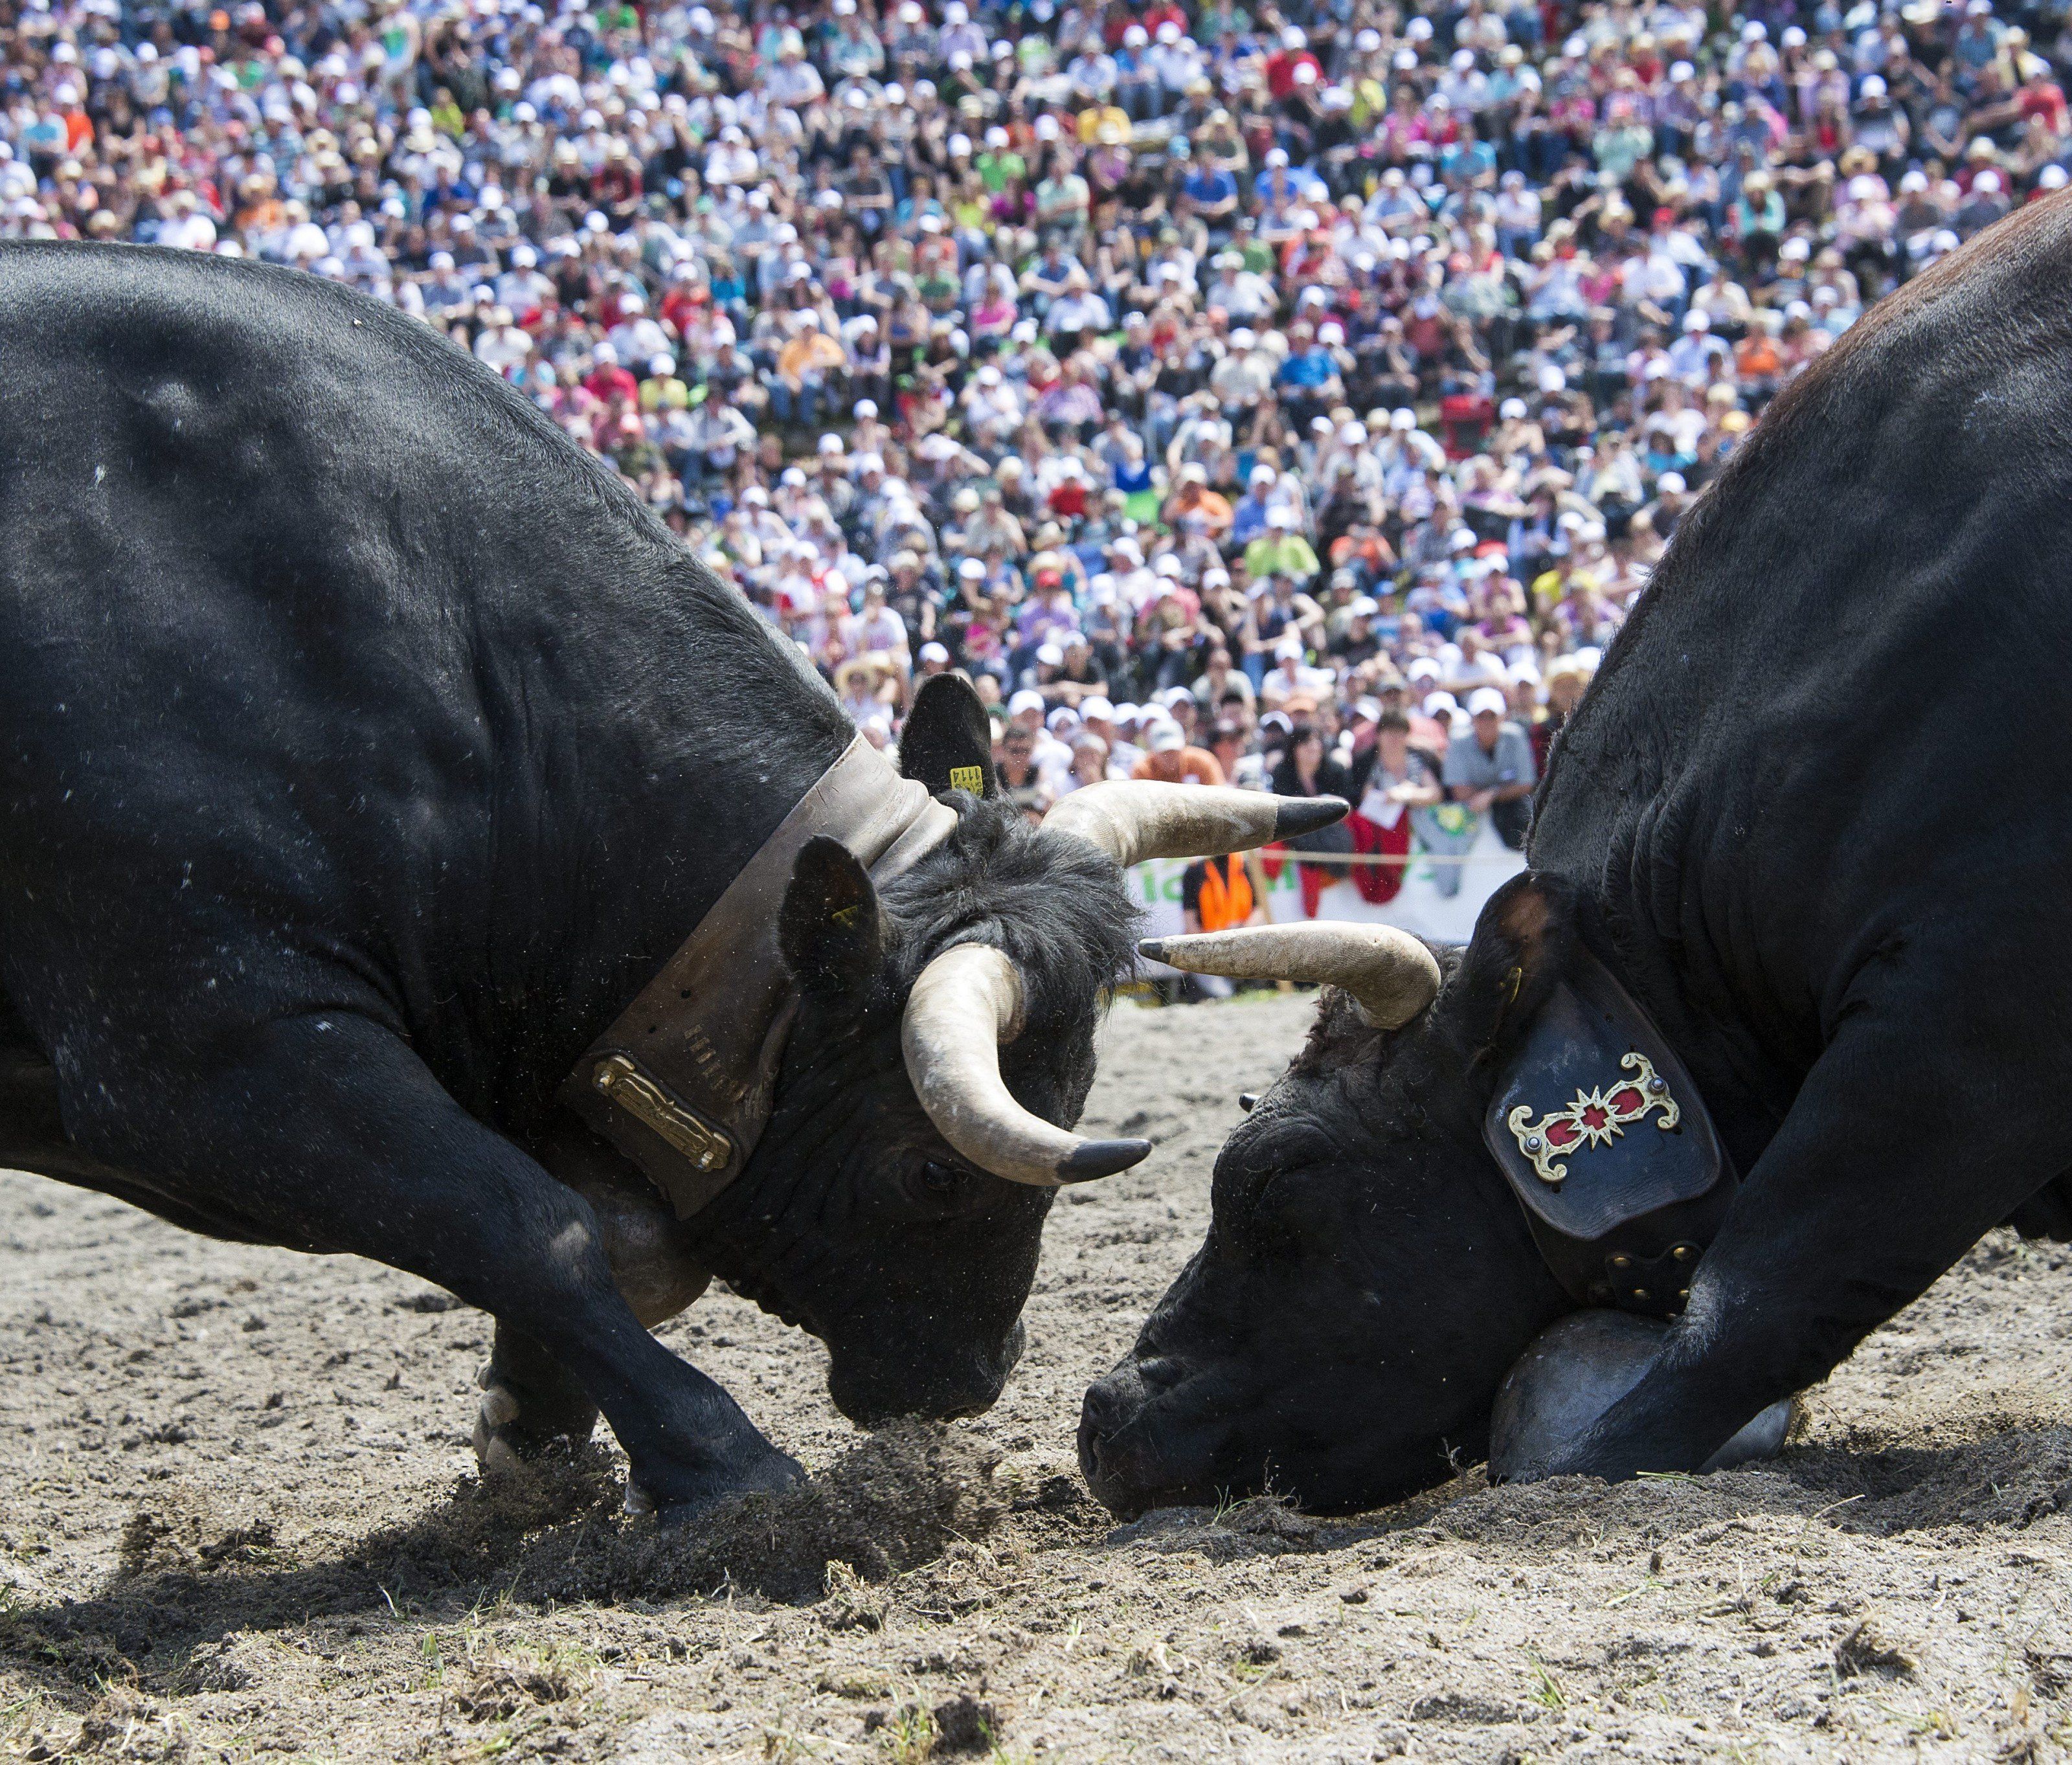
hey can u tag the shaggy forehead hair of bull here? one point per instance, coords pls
(1057, 907)
(1340, 1037)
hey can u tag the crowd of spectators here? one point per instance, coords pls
(1290, 393)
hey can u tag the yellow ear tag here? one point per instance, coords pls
(845, 916)
(968, 778)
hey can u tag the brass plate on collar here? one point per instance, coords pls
(654, 1110)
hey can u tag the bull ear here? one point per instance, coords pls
(947, 742)
(829, 928)
(1520, 950)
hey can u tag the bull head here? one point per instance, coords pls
(1368, 1276)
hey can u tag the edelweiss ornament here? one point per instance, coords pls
(1596, 1118)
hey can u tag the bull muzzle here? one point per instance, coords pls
(1126, 1456)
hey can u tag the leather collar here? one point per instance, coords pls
(1607, 1145)
(682, 1082)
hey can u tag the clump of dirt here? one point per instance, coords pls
(964, 1724)
(180, 1530)
(889, 1504)
(121, 1724)
(1866, 1649)
(496, 1693)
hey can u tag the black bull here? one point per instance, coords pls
(1812, 814)
(364, 749)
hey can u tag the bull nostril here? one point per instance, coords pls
(1106, 1408)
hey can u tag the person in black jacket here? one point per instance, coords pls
(1306, 770)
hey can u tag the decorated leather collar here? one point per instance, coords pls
(1608, 1146)
(682, 1082)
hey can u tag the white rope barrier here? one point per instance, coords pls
(1330, 860)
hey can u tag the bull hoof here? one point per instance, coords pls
(693, 1498)
(496, 1452)
(513, 1428)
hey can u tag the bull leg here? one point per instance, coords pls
(327, 1129)
(529, 1399)
(1913, 1136)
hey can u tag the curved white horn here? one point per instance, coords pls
(1134, 818)
(965, 1003)
(1390, 975)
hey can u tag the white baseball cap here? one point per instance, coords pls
(1486, 699)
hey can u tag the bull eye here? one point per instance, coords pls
(1247, 1101)
(940, 1178)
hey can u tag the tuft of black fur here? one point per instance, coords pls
(1340, 1037)
(1058, 908)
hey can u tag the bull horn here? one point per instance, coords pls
(1134, 818)
(967, 1002)
(1390, 975)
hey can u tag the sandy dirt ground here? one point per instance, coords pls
(238, 1518)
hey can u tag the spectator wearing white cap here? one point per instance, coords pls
(1170, 759)
(1100, 719)
(1291, 684)
(1281, 551)
(1078, 677)
(1248, 515)
(1694, 353)
(1091, 763)
(1489, 769)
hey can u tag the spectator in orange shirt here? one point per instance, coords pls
(1758, 363)
(78, 126)
(803, 367)
(1171, 761)
(1195, 497)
